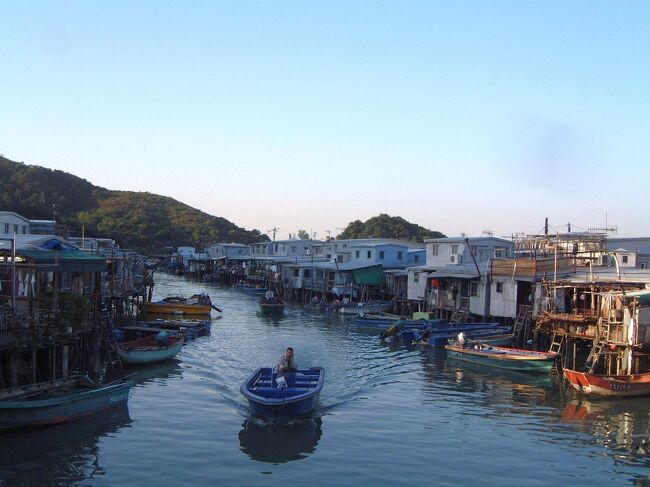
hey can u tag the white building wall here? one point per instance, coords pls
(503, 304)
(417, 288)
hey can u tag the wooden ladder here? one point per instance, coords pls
(599, 342)
(556, 344)
(522, 321)
(109, 344)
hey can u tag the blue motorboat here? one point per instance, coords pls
(438, 334)
(271, 394)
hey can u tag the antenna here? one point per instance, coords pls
(274, 230)
(488, 233)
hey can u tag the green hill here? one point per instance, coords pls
(141, 221)
(385, 226)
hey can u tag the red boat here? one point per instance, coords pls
(609, 385)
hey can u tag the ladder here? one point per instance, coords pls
(556, 343)
(594, 355)
(522, 321)
(109, 344)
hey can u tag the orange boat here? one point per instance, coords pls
(199, 304)
(609, 385)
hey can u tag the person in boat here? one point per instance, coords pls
(315, 300)
(287, 362)
(346, 300)
(461, 340)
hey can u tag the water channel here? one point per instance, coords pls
(389, 414)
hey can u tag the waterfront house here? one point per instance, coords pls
(456, 275)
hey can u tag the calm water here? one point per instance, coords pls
(389, 414)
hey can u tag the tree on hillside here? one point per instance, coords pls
(385, 226)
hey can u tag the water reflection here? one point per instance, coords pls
(621, 424)
(59, 454)
(156, 372)
(280, 441)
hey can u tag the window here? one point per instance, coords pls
(499, 287)
(416, 258)
(400, 255)
(624, 258)
(473, 289)
(275, 247)
(381, 254)
(296, 272)
(454, 249)
(25, 230)
(434, 249)
(15, 228)
(416, 277)
(356, 254)
(293, 249)
(6, 228)
(370, 254)
(644, 265)
(306, 273)
(339, 258)
(498, 253)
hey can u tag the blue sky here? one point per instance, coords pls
(458, 116)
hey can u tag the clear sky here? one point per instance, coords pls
(458, 116)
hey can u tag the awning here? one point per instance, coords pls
(372, 276)
(71, 260)
(643, 295)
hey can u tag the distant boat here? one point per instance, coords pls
(150, 349)
(363, 307)
(251, 290)
(505, 357)
(609, 385)
(58, 401)
(198, 304)
(299, 396)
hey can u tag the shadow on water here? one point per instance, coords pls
(59, 454)
(280, 441)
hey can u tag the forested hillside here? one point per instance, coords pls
(141, 221)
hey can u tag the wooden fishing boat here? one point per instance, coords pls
(609, 385)
(150, 349)
(271, 308)
(505, 357)
(198, 304)
(266, 397)
(58, 401)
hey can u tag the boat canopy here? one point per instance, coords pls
(373, 276)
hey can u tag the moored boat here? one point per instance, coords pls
(58, 401)
(361, 308)
(505, 357)
(297, 397)
(251, 290)
(150, 349)
(198, 304)
(609, 385)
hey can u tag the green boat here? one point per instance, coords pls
(58, 401)
(150, 349)
(504, 357)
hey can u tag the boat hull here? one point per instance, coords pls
(176, 309)
(267, 309)
(609, 385)
(365, 307)
(147, 351)
(505, 358)
(266, 399)
(17, 413)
